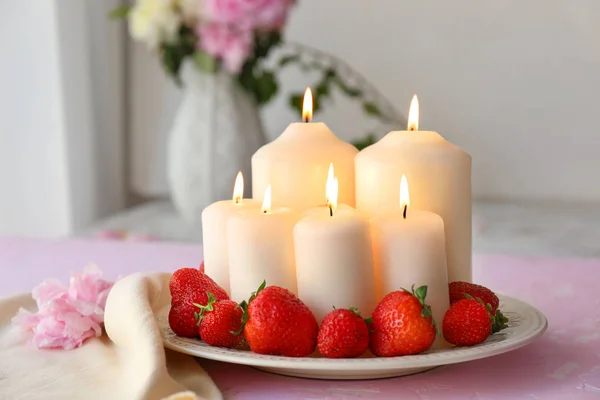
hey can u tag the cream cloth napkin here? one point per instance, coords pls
(129, 364)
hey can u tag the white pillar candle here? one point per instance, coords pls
(440, 176)
(409, 249)
(334, 260)
(261, 248)
(299, 158)
(214, 232)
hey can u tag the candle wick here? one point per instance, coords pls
(404, 213)
(330, 210)
(306, 119)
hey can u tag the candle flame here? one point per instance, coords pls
(266, 205)
(331, 189)
(307, 106)
(413, 114)
(404, 196)
(238, 188)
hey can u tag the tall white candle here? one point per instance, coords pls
(334, 260)
(409, 249)
(440, 176)
(299, 158)
(261, 248)
(214, 232)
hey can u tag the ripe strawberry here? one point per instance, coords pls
(191, 285)
(278, 323)
(467, 322)
(459, 289)
(201, 268)
(183, 319)
(189, 288)
(343, 334)
(402, 324)
(221, 323)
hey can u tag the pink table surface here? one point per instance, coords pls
(563, 364)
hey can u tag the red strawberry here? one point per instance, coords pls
(459, 289)
(221, 323)
(467, 322)
(201, 268)
(191, 285)
(402, 324)
(183, 319)
(279, 323)
(189, 288)
(343, 334)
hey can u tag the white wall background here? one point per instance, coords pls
(33, 184)
(515, 83)
(61, 153)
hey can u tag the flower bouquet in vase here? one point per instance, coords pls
(217, 50)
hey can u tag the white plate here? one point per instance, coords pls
(525, 324)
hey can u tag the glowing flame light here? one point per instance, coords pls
(307, 106)
(331, 190)
(413, 114)
(238, 188)
(266, 205)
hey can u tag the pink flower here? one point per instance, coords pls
(67, 316)
(251, 14)
(228, 43)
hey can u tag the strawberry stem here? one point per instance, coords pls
(204, 309)
(244, 306)
(421, 293)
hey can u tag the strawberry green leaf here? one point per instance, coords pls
(369, 320)
(245, 316)
(211, 301)
(426, 311)
(499, 322)
(243, 323)
(260, 288)
(437, 328)
(243, 305)
(355, 311)
(421, 293)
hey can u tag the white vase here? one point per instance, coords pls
(216, 131)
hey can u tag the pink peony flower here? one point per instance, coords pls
(250, 14)
(230, 44)
(67, 316)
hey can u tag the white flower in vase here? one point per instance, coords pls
(154, 22)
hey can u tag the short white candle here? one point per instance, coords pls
(299, 159)
(409, 249)
(334, 260)
(261, 248)
(214, 232)
(440, 176)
